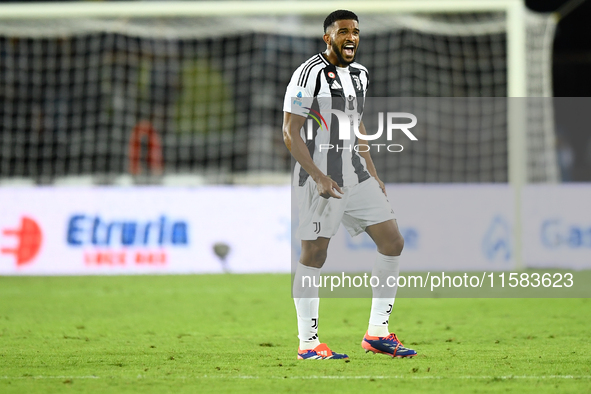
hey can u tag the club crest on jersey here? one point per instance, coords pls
(357, 81)
(331, 75)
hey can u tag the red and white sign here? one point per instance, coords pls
(27, 241)
(80, 231)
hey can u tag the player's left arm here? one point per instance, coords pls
(368, 161)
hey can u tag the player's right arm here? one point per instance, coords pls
(292, 124)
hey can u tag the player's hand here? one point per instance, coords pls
(326, 187)
(382, 186)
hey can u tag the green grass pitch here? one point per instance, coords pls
(237, 333)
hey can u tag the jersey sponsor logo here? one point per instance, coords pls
(351, 105)
(336, 85)
(29, 239)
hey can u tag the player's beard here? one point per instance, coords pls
(342, 61)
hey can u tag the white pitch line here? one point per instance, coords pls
(424, 377)
(49, 377)
(508, 377)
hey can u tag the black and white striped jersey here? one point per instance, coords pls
(316, 86)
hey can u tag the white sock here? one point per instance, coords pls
(383, 297)
(305, 297)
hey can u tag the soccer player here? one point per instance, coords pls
(338, 185)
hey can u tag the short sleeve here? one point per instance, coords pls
(297, 97)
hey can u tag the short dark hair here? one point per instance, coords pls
(339, 15)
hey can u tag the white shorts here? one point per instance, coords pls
(361, 205)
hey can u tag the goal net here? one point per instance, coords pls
(192, 99)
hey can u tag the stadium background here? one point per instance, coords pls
(127, 111)
(154, 146)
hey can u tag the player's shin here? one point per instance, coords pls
(305, 293)
(385, 269)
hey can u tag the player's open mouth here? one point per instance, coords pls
(349, 49)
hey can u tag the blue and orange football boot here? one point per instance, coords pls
(389, 345)
(320, 352)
